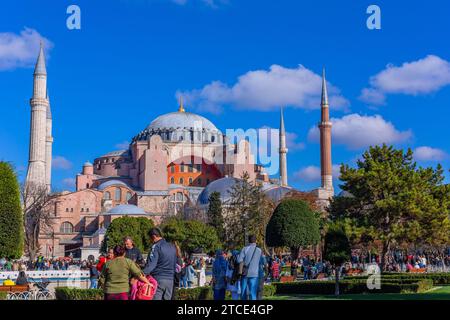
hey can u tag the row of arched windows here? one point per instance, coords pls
(117, 195)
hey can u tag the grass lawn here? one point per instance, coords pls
(437, 293)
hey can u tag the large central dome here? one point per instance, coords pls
(182, 120)
(182, 126)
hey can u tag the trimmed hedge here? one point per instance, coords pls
(352, 287)
(437, 278)
(3, 295)
(202, 293)
(64, 293)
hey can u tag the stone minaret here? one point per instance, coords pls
(36, 173)
(283, 151)
(325, 139)
(48, 147)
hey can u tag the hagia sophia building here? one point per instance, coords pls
(171, 167)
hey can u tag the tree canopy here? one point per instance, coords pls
(11, 218)
(294, 225)
(248, 212)
(215, 215)
(137, 228)
(191, 235)
(392, 200)
(336, 246)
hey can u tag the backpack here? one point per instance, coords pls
(143, 291)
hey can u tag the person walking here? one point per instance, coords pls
(116, 275)
(219, 273)
(263, 272)
(161, 264)
(190, 274)
(93, 276)
(249, 258)
(178, 270)
(233, 281)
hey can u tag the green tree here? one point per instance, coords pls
(11, 218)
(248, 212)
(394, 201)
(137, 228)
(215, 215)
(294, 225)
(336, 250)
(192, 235)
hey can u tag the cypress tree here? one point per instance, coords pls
(11, 218)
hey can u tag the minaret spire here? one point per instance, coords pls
(283, 151)
(325, 139)
(37, 166)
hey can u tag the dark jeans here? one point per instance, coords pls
(219, 294)
(164, 290)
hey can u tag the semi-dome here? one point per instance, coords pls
(223, 186)
(126, 209)
(110, 183)
(181, 120)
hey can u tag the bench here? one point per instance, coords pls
(16, 288)
(421, 270)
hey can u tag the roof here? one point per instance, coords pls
(223, 186)
(181, 120)
(126, 209)
(117, 153)
(110, 183)
(40, 67)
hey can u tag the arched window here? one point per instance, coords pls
(181, 181)
(66, 227)
(172, 180)
(107, 195)
(213, 138)
(179, 196)
(117, 194)
(172, 168)
(190, 180)
(182, 167)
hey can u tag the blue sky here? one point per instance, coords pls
(236, 63)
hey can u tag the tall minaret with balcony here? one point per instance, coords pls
(37, 168)
(283, 151)
(325, 140)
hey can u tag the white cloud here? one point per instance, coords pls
(308, 174)
(313, 173)
(423, 76)
(356, 131)
(292, 142)
(60, 162)
(20, 50)
(123, 145)
(69, 182)
(265, 90)
(425, 153)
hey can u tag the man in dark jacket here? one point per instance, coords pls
(161, 264)
(133, 253)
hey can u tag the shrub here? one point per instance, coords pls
(64, 293)
(437, 278)
(201, 293)
(3, 295)
(269, 290)
(353, 287)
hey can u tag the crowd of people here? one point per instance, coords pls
(242, 273)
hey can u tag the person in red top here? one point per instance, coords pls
(275, 270)
(102, 260)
